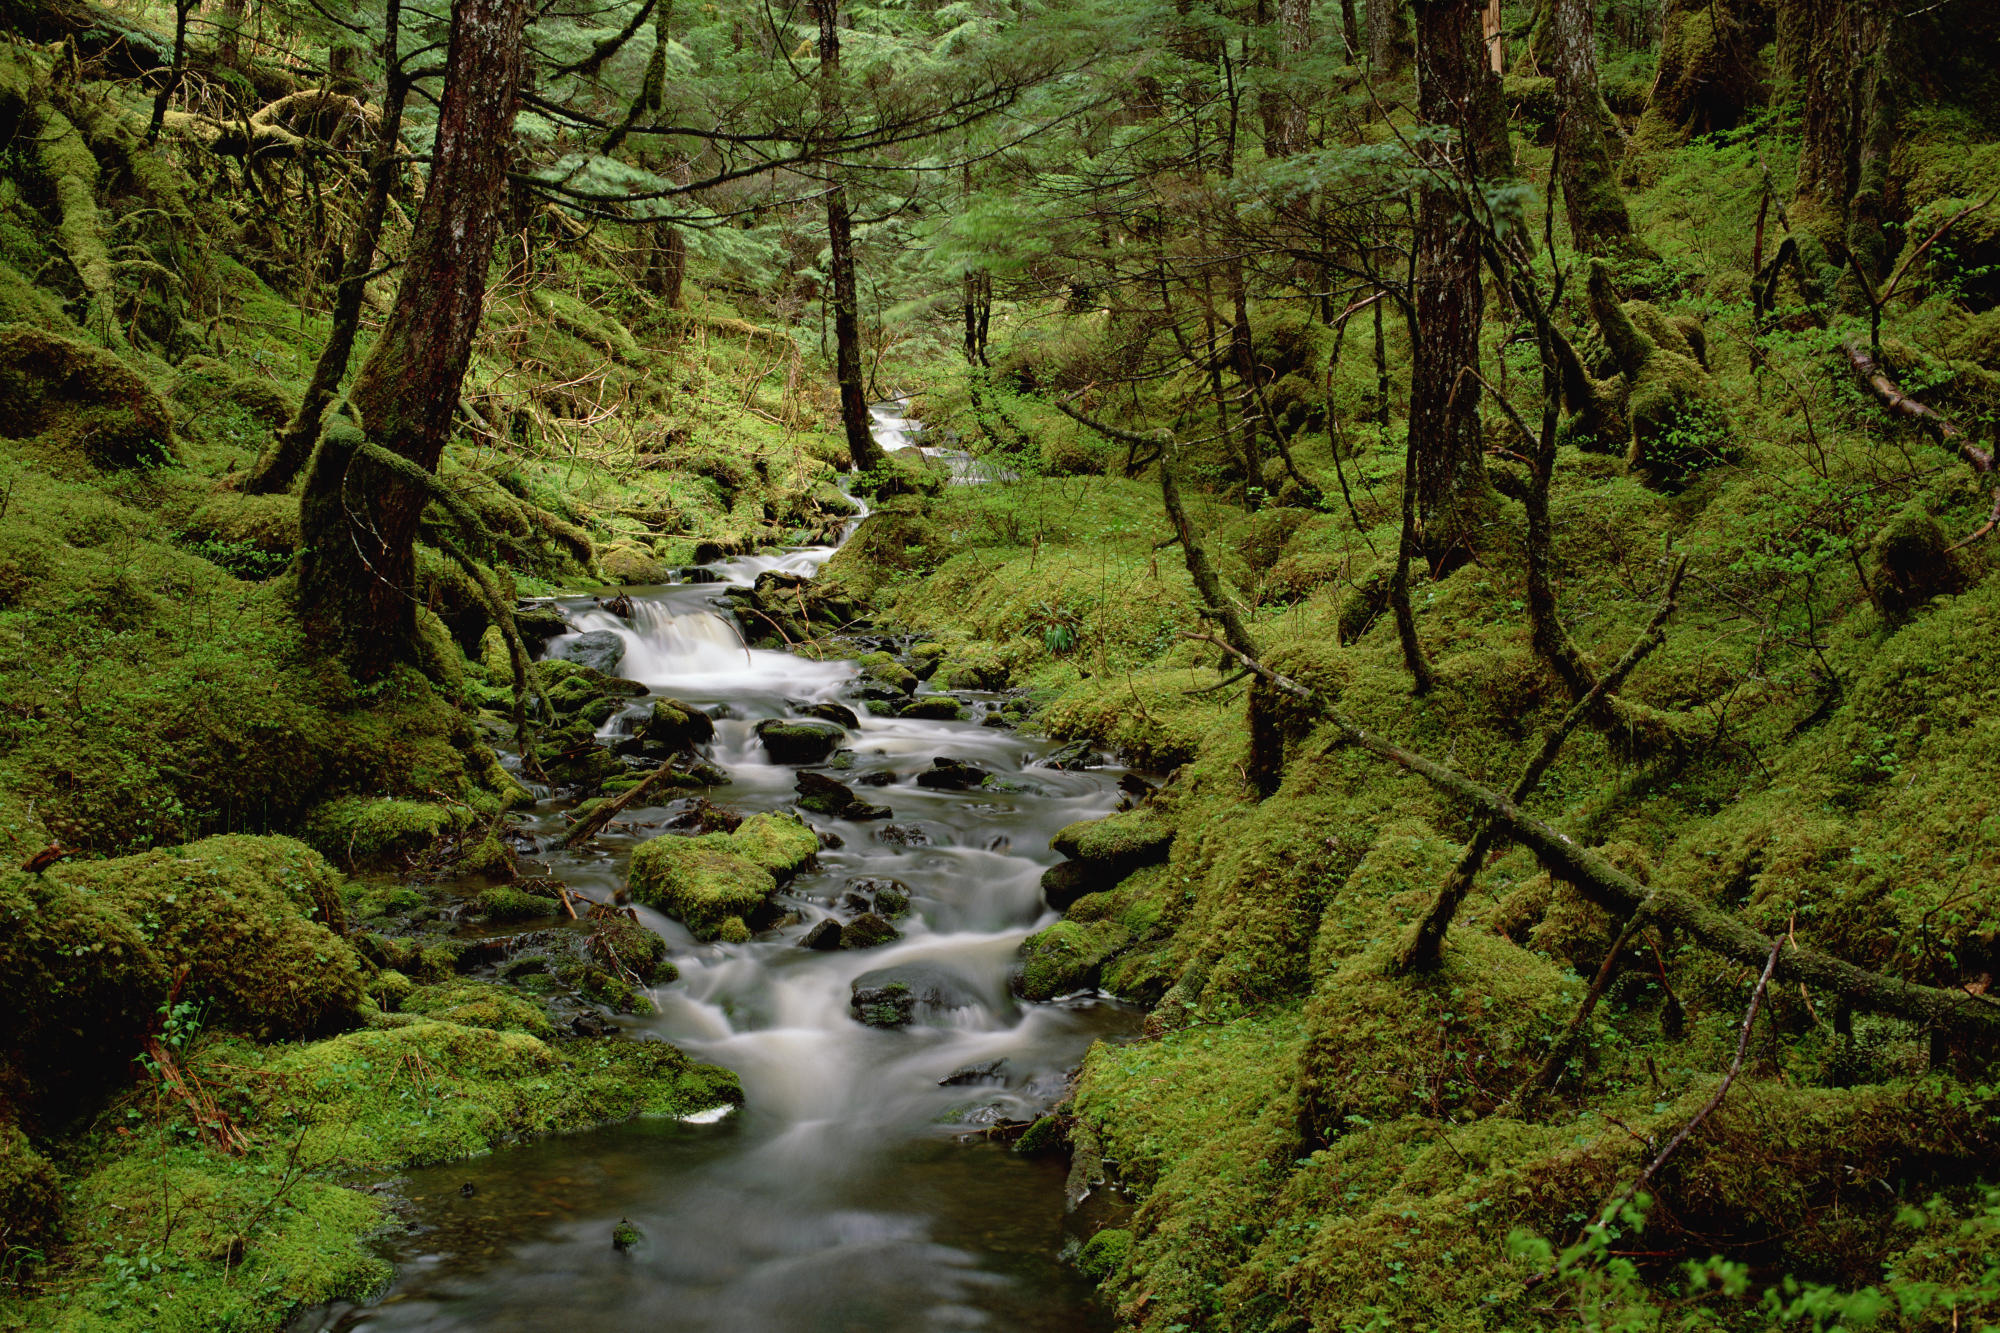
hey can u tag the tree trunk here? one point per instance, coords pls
(1598, 221)
(359, 519)
(295, 441)
(1386, 36)
(1285, 121)
(861, 446)
(1838, 53)
(1350, 29)
(1449, 465)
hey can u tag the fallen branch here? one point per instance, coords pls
(1426, 942)
(587, 827)
(1940, 427)
(1951, 1010)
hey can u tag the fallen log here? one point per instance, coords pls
(1939, 426)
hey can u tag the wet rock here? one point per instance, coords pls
(1073, 756)
(676, 725)
(1135, 786)
(620, 606)
(871, 693)
(988, 1071)
(881, 777)
(798, 742)
(598, 649)
(538, 622)
(997, 722)
(933, 708)
(1119, 844)
(868, 931)
(824, 936)
(592, 1024)
(1067, 881)
(887, 671)
(903, 835)
(951, 775)
(826, 711)
(889, 897)
(888, 997)
(624, 1236)
(822, 795)
(1012, 786)
(696, 574)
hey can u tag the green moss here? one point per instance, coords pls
(886, 670)
(628, 563)
(30, 1197)
(75, 407)
(779, 842)
(478, 1004)
(1103, 1253)
(706, 883)
(235, 913)
(628, 948)
(1068, 956)
(504, 902)
(359, 830)
(933, 708)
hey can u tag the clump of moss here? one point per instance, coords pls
(778, 841)
(234, 913)
(362, 830)
(1910, 562)
(625, 946)
(478, 1004)
(30, 1195)
(1103, 1253)
(77, 408)
(706, 883)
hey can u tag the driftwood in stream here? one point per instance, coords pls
(1952, 1010)
(584, 829)
(1878, 381)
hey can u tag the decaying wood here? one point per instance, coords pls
(1939, 426)
(586, 828)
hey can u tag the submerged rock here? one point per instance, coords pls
(598, 649)
(1073, 756)
(824, 796)
(826, 711)
(868, 931)
(988, 1071)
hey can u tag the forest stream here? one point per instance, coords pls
(853, 1190)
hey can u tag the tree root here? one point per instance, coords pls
(1935, 423)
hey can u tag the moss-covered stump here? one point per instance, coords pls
(236, 914)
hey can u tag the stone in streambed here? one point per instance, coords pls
(868, 931)
(676, 725)
(933, 708)
(987, 1071)
(888, 996)
(951, 775)
(824, 936)
(717, 883)
(826, 711)
(798, 742)
(598, 649)
(1067, 881)
(887, 671)
(881, 777)
(1073, 756)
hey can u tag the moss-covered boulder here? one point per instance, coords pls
(627, 563)
(704, 882)
(676, 725)
(884, 669)
(80, 987)
(1910, 562)
(478, 1004)
(789, 742)
(933, 708)
(366, 830)
(780, 842)
(30, 1196)
(1068, 956)
(237, 913)
(1118, 844)
(78, 407)
(628, 948)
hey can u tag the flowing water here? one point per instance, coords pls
(850, 1193)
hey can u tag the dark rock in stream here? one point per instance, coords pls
(951, 775)
(824, 796)
(538, 622)
(989, 1071)
(798, 742)
(889, 897)
(676, 725)
(888, 997)
(592, 1024)
(826, 711)
(868, 931)
(881, 777)
(823, 937)
(1067, 881)
(598, 649)
(903, 835)
(1071, 757)
(933, 708)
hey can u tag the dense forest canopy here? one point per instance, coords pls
(1501, 497)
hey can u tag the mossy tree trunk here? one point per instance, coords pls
(1841, 56)
(294, 445)
(358, 519)
(1448, 458)
(1707, 73)
(861, 446)
(1598, 220)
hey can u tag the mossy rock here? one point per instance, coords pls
(933, 708)
(676, 724)
(1068, 956)
(79, 407)
(504, 902)
(884, 669)
(235, 912)
(624, 945)
(363, 830)
(30, 1196)
(1103, 1253)
(435, 1091)
(628, 563)
(976, 667)
(788, 742)
(389, 988)
(704, 882)
(478, 1004)
(81, 988)
(1119, 843)
(902, 472)
(779, 842)
(265, 523)
(1911, 561)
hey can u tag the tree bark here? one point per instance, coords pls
(359, 519)
(1598, 220)
(861, 446)
(1386, 36)
(295, 441)
(1449, 465)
